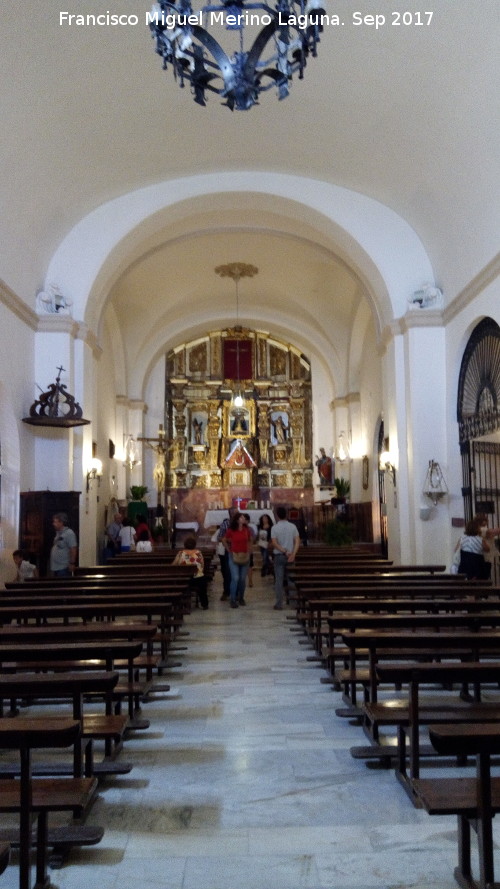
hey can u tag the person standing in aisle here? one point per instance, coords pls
(223, 554)
(64, 550)
(285, 542)
(238, 542)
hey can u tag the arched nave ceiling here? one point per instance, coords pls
(407, 116)
(302, 293)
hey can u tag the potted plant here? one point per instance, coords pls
(136, 506)
(337, 533)
(138, 491)
(342, 490)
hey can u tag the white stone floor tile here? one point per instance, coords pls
(244, 779)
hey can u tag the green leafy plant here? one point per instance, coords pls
(138, 491)
(337, 533)
(342, 487)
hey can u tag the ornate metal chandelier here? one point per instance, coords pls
(184, 41)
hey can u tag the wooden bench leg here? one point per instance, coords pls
(463, 874)
(484, 825)
(25, 821)
(42, 879)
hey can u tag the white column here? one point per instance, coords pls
(415, 422)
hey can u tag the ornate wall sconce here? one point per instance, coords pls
(94, 472)
(343, 451)
(131, 453)
(435, 486)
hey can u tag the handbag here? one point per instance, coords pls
(241, 558)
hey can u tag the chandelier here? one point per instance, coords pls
(239, 75)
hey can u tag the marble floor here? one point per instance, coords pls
(244, 779)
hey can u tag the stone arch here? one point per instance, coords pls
(376, 243)
(478, 400)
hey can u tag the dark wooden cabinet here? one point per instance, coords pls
(36, 532)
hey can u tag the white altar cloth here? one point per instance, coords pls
(187, 526)
(215, 517)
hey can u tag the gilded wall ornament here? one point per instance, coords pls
(281, 480)
(198, 359)
(277, 361)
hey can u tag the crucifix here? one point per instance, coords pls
(159, 445)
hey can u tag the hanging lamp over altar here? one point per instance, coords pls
(56, 408)
(236, 271)
(280, 40)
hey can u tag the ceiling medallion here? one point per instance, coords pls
(56, 407)
(185, 41)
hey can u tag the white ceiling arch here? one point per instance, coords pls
(379, 245)
(173, 331)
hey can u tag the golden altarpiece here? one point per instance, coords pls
(238, 419)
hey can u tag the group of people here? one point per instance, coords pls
(63, 554)
(122, 536)
(236, 540)
(471, 548)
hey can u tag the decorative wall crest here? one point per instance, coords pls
(56, 407)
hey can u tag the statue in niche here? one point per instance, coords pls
(326, 468)
(239, 422)
(197, 429)
(280, 428)
(239, 456)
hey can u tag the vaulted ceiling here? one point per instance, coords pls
(407, 115)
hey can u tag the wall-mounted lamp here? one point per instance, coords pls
(130, 452)
(387, 465)
(435, 486)
(94, 472)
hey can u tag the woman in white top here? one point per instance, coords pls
(127, 536)
(144, 544)
(472, 548)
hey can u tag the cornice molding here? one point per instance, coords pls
(412, 319)
(57, 324)
(473, 289)
(17, 306)
(421, 318)
(134, 404)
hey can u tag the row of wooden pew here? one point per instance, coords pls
(97, 639)
(423, 647)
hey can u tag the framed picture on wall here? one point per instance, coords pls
(365, 472)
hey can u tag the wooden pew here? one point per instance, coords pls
(56, 687)
(418, 712)
(378, 586)
(384, 628)
(412, 641)
(84, 655)
(37, 797)
(317, 611)
(474, 800)
(405, 646)
(163, 611)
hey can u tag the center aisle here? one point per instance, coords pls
(245, 781)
